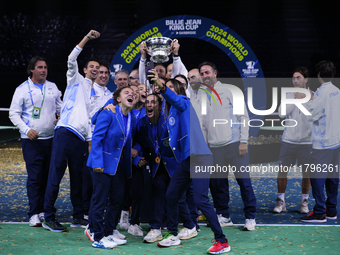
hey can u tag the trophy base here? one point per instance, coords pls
(159, 59)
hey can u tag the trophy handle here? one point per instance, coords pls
(172, 41)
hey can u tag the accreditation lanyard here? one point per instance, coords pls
(128, 125)
(36, 110)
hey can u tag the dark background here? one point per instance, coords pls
(282, 34)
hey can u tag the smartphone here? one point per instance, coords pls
(148, 67)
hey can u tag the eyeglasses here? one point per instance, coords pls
(132, 78)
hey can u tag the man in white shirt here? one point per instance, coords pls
(296, 145)
(72, 138)
(35, 105)
(229, 145)
(324, 159)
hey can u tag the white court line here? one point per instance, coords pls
(291, 225)
(14, 222)
(204, 224)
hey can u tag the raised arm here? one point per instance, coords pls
(178, 66)
(72, 58)
(142, 77)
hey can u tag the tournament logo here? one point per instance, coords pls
(250, 71)
(116, 68)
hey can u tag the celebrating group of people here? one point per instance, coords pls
(154, 120)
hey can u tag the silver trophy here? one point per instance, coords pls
(159, 48)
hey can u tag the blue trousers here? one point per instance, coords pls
(188, 209)
(325, 175)
(37, 155)
(127, 193)
(87, 187)
(108, 192)
(67, 149)
(159, 186)
(219, 185)
(179, 183)
(136, 193)
(191, 204)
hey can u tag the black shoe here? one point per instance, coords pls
(82, 223)
(321, 218)
(54, 226)
(331, 216)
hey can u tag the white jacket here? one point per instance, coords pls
(21, 108)
(179, 68)
(76, 108)
(196, 101)
(102, 95)
(232, 131)
(302, 132)
(99, 99)
(325, 117)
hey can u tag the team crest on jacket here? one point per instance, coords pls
(172, 121)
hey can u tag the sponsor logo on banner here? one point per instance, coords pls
(116, 67)
(250, 71)
(183, 26)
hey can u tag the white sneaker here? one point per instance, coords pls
(135, 230)
(124, 220)
(42, 216)
(224, 222)
(280, 206)
(88, 233)
(86, 217)
(153, 236)
(169, 240)
(118, 241)
(104, 243)
(249, 225)
(118, 235)
(35, 221)
(186, 233)
(304, 206)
